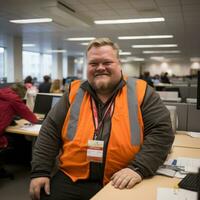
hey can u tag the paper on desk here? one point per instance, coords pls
(189, 164)
(175, 194)
(193, 134)
(162, 170)
(166, 172)
(34, 127)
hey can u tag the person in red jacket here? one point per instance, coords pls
(11, 104)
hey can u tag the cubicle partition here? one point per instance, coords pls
(184, 91)
(193, 118)
(182, 114)
(188, 116)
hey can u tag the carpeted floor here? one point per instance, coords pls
(18, 188)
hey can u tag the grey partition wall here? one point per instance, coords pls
(192, 92)
(182, 114)
(184, 92)
(193, 122)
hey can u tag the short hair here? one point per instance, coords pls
(46, 78)
(99, 42)
(28, 79)
(19, 88)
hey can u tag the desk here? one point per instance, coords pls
(17, 129)
(147, 189)
(183, 140)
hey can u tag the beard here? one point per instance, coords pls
(104, 86)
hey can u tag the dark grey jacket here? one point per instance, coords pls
(158, 136)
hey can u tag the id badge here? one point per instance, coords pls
(95, 151)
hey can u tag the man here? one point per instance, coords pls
(108, 128)
(45, 86)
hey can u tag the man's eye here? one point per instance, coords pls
(93, 64)
(107, 63)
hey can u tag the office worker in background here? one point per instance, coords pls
(11, 105)
(45, 86)
(28, 82)
(108, 128)
(56, 86)
(31, 92)
(146, 77)
(165, 78)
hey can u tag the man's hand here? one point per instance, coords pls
(125, 178)
(36, 185)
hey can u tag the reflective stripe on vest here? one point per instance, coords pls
(132, 106)
(74, 114)
(133, 112)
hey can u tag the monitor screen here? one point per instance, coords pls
(55, 99)
(44, 103)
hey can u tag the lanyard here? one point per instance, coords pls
(98, 124)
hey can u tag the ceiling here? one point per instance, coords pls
(182, 19)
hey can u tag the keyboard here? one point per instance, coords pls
(190, 182)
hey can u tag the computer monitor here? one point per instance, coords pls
(44, 103)
(55, 99)
(198, 90)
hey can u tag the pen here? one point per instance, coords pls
(174, 167)
(174, 162)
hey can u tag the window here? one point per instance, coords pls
(46, 68)
(3, 73)
(36, 65)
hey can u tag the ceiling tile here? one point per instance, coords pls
(167, 2)
(191, 2)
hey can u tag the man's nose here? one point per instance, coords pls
(100, 66)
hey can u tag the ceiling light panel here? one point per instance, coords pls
(84, 43)
(57, 51)
(28, 45)
(154, 45)
(155, 52)
(129, 21)
(30, 21)
(124, 53)
(144, 37)
(81, 39)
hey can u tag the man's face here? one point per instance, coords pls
(103, 70)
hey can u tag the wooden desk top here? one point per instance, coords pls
(183, 140)
(18, 130)
(147, 189)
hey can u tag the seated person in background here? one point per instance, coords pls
(56, 86)
(31, 92)
(146, 77)
(122, 117)
(11, 104)
(45, 86)
(165, 78)
(156, 79)
(28, 82)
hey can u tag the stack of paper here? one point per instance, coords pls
(33, 128)
(180, 167)
(175, 194)
(189, 164)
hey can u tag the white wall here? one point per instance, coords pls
(131, 69)
(178, 69)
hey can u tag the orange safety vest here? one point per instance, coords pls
(126, 135)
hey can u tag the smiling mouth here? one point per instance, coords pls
(96, 75)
